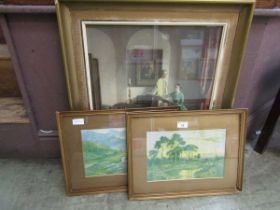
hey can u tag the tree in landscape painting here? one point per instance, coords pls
(173, 157)
(172, 148)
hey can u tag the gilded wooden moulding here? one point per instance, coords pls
(88, 88)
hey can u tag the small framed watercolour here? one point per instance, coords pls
(122, 54)
(180, 154)
(93, 150)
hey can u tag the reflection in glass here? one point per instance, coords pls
(132, 66)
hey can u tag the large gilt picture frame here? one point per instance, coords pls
(165, 53)
(182, 154)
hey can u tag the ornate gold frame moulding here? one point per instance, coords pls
(233, 15)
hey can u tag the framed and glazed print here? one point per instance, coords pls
(93, 148)
(181, 154)
(94, 151)
(134, 54)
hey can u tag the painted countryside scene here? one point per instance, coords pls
(181, 155)
(104, 152)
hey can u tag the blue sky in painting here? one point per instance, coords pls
(114, 138)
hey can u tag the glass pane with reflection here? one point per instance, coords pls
(134, 66)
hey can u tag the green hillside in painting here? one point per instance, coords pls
(101, 160)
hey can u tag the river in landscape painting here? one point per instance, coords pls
(180, 155)
(104, 151)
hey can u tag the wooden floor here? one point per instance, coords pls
(12, 110)
(39, 185)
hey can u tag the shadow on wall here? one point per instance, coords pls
(265, 92)
(260, 75)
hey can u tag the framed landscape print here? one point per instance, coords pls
(180, 154)
(133, 54)
(94, 151)
(93, 148)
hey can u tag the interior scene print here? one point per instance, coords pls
(181, 155)
(104, 152)
(134, 66)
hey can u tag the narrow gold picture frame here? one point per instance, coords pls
(139, 188)
(76, 183)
